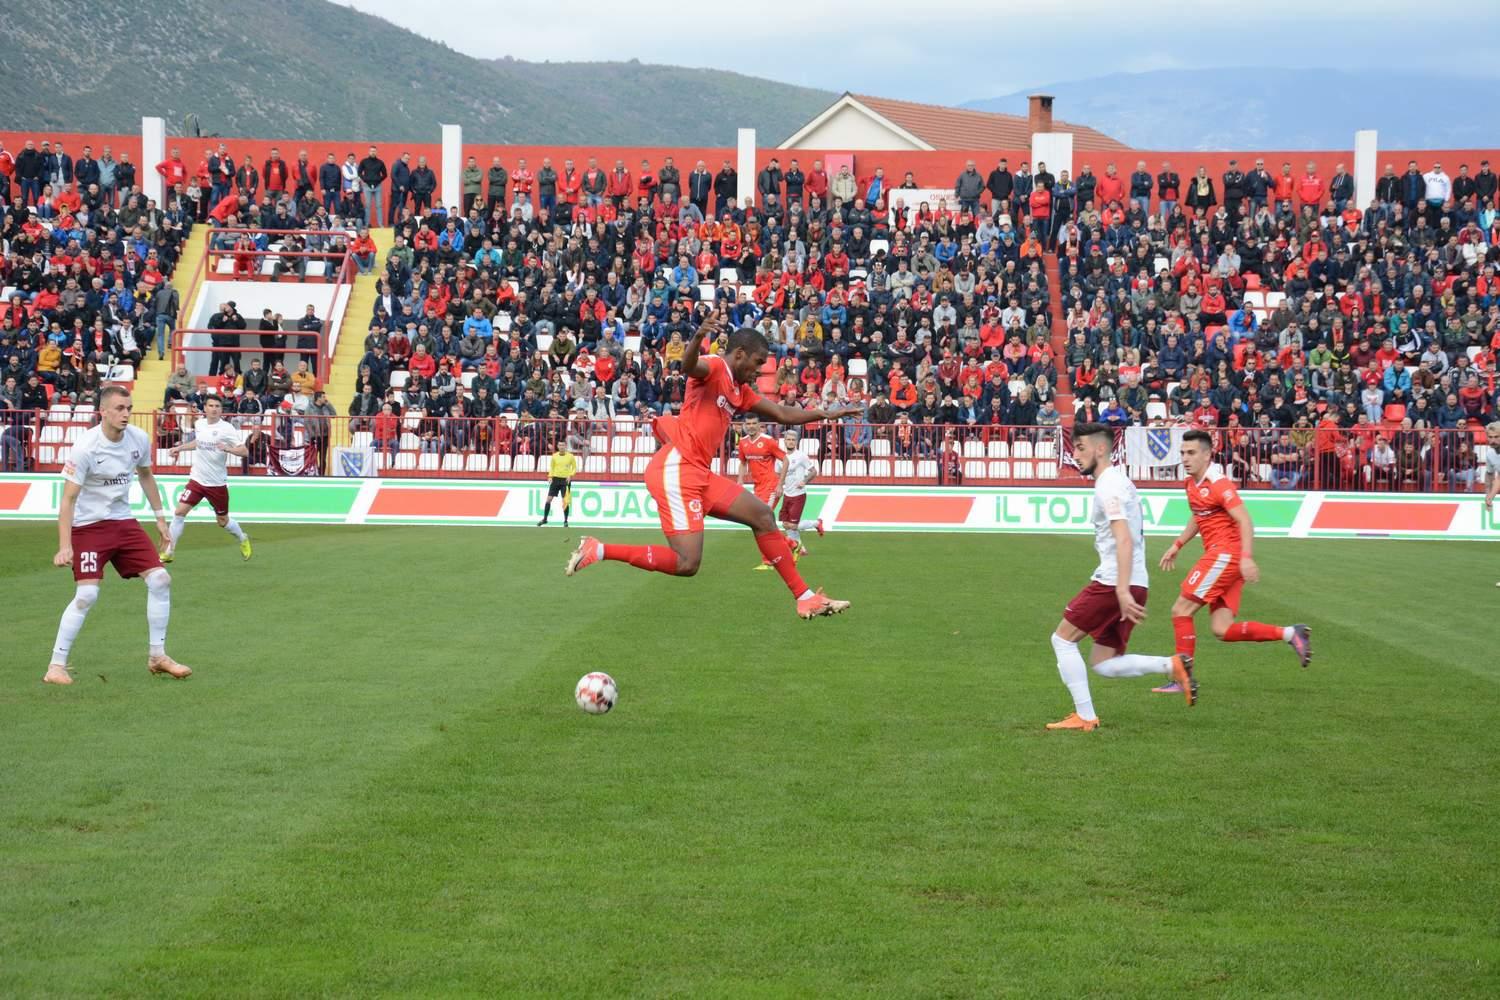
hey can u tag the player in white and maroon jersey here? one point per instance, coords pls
(1114, 602)
(95, 528)
(800, 470)
(1492, 466)
(214, 440)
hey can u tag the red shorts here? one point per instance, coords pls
(1215, 581)
(685, 492)
(217, 497)
(1096, 611)
(764, 493)
(121, 543)
(791, 509)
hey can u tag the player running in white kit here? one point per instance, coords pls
(800, 470)
(214, 440)
(1492, 467)
(1115, 599)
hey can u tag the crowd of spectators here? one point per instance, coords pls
(87, 262)
(1264, 300)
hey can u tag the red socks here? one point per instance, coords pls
(1253, 632)
(774, 549)
(1187, 639)
(652, 558)
(661, 559)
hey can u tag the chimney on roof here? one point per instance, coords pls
(1039, 113)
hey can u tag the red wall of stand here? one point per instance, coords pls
(935, 169)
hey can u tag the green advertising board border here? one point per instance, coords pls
(348, 501)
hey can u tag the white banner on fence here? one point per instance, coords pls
(1149, 447)
(353, 462)
(912, 198)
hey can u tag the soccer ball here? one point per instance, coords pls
(596, 693)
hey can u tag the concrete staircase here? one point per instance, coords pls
(151, 380)
(1064, 385)
(339, 383)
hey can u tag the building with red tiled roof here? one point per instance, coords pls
(862, 122)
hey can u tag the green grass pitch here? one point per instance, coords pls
(377, 783)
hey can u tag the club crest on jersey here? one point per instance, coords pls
(725, 405)
(696, 506)
(1159, 442)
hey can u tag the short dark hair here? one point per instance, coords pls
(747, 339)
(1197, 435)
(1091, 429)
(112, 390)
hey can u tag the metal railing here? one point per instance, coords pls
(222, 261)
(417, 444)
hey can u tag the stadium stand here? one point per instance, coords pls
(1333, 345)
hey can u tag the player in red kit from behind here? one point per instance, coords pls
(1219, 515)
(686, 489)
(763, 456)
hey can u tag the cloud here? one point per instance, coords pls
(961, 50)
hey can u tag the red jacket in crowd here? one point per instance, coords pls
(173, 171)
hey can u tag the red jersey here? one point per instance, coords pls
(707, 409)
(1211, 500)
(761, 454)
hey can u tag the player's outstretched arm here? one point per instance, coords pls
(1169, 557)
(1491, 489)
(1241, 518)
(153, 497)
(1130, 609)
(64, 555)
(693, 365)
(789, 416)
(191, 444)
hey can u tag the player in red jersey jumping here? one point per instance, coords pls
(686, 489)
(1219, 515)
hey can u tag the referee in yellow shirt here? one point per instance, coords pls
(564, 466)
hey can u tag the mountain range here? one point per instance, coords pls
(1271, 108)
(314, 69)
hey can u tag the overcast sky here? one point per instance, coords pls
(958, 50)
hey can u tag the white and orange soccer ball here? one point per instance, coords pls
(596, 693)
